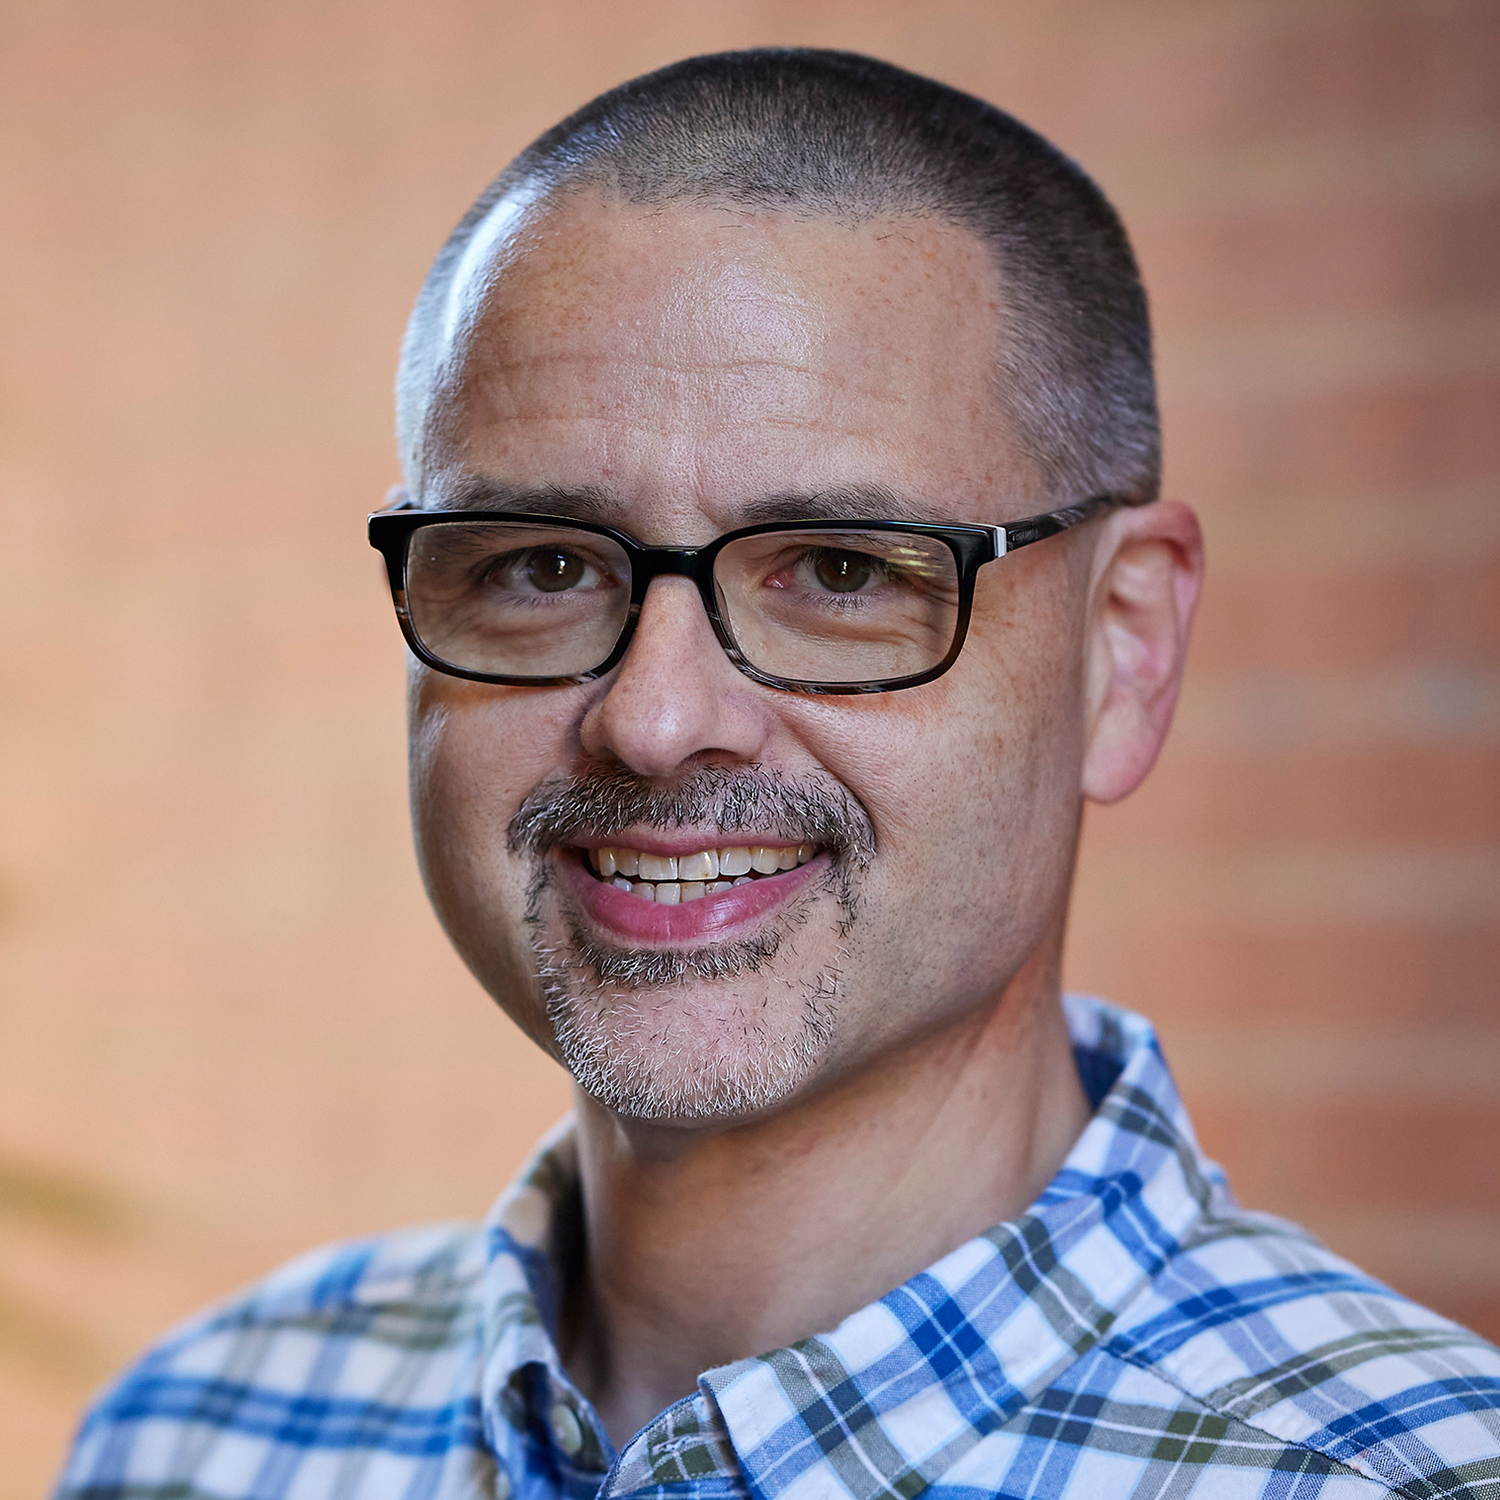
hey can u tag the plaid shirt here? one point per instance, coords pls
(1135, 1334)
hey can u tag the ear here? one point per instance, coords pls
(1148, 570)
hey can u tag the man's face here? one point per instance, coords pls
(668, 368)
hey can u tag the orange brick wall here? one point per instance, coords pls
(228, 1025)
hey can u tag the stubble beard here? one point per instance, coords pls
(645, 1031)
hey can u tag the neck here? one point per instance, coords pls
(705, 1247)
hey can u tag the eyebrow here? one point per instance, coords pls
(577, 503)
(850, 502)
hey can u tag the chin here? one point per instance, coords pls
(711, 1036)
(709, 1032)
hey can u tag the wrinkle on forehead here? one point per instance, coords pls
(588, 283)
(682, 320)
(576, 255)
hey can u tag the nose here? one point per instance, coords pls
(676, 697)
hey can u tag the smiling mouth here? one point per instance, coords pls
(672, 879)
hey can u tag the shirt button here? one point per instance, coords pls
(501, 1485)
(565, 1429)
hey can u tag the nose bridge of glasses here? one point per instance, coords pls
(695, 564)
(668, 562)
(672, 619)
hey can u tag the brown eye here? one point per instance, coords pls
(550, 572)
(843, 572)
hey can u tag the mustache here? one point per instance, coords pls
(814, 809)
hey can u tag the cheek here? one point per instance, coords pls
(475, 751)
(972, 786)
(957, 770)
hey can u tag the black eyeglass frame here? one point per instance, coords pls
(390, 532)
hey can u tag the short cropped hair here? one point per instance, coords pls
(835, 134)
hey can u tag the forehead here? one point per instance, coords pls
(686, 360)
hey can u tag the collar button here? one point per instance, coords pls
(565, 1429)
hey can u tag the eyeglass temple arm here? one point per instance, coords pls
(1037, 528)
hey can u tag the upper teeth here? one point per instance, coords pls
(671, 878)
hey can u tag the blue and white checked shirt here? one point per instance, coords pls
(1136, 1334)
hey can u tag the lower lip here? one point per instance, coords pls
(709, 917)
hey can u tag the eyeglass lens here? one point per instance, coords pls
(515, 599)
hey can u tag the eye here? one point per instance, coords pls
(544, 570)
(837, 571)
(552, 571)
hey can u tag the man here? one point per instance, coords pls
(747, 769)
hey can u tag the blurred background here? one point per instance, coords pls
(229, 1026)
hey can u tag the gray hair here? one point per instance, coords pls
(834, 134)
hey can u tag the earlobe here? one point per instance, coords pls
(1148, 573)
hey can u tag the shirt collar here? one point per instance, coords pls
(902, 1388)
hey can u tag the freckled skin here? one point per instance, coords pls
(688, 360)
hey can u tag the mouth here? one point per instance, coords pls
(646, 897)
(675, 879)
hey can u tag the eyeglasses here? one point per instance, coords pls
(811, 607)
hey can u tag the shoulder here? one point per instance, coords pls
(357, 1347)
(1258, 1323)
